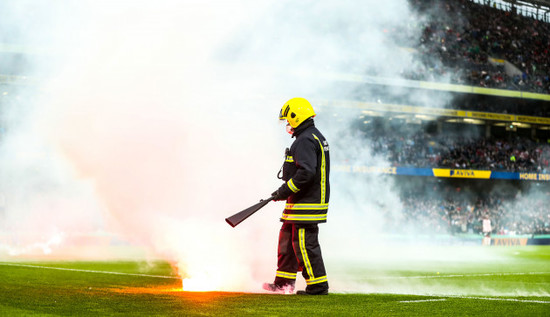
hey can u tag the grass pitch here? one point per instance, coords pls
(519, 286)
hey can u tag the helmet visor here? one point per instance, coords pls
(284, 112)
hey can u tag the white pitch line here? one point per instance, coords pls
(505, 299)
(88, 271)
(423, 300)
(478, 298)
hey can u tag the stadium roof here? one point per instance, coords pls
(542, 4)
(545, 3)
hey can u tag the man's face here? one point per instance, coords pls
(289, 128)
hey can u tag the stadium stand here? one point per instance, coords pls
(427, 124)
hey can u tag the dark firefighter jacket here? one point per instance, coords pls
(306, 173)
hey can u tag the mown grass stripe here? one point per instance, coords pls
(455, 275)
(423, 300)
(88, 271)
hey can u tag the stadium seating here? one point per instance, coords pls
(481, 45)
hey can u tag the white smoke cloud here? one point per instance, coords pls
(155, 120)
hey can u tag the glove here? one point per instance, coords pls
(282, 193)
(277, 195)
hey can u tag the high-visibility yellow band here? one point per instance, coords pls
(317, 280)
(289, 159)
(292, 187)
(306, 206)
(303, 250)
(323, 170)
(288, 275)
(298, 217)
(305, 215)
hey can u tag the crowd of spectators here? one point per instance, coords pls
(425, 150)
(459, 214)
(472, 44)
(517, 155)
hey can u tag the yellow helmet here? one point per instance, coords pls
(296, 111)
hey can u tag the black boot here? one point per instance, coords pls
(324, 292)
(279, 289)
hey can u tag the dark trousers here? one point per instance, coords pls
(299, 249)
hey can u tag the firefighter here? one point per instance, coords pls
(306, 191)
